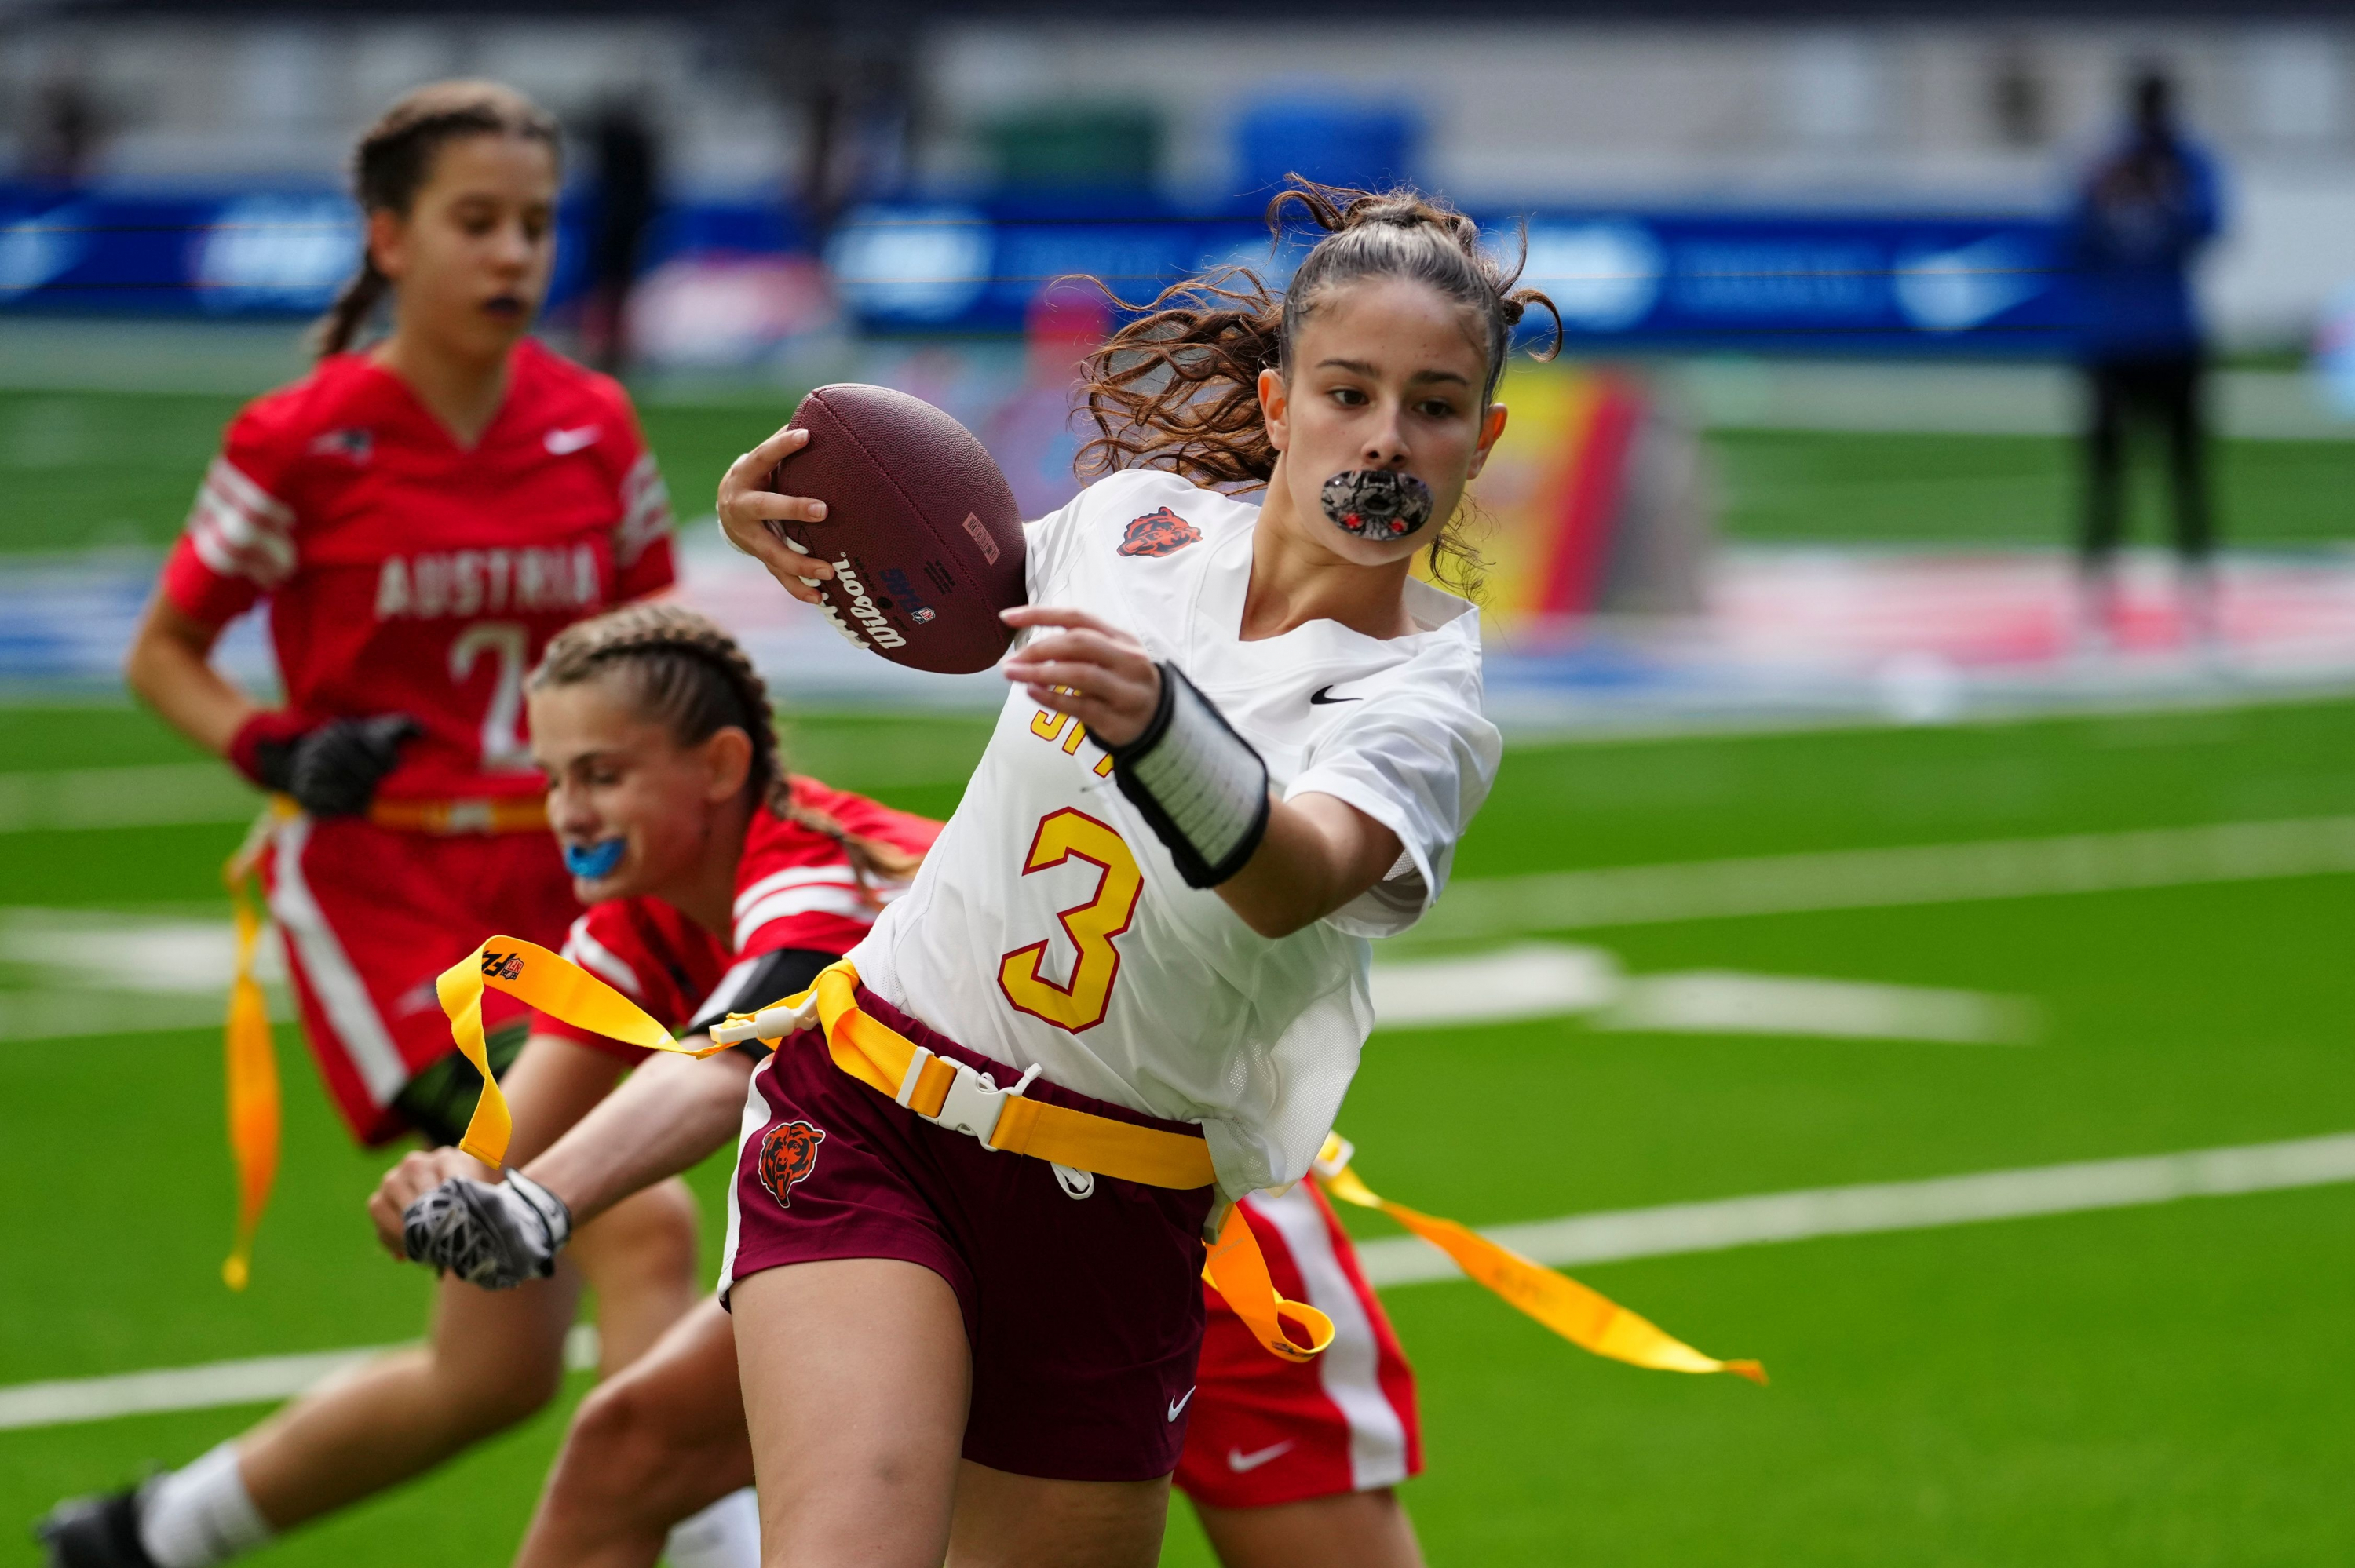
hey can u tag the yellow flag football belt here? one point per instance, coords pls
(948, 1093)
(1583, 1316)
(251, 1065)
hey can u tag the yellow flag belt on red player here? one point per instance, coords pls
(881, 1057)
(250, 1066)
(1585, 1318)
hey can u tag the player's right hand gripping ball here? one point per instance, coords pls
(924, 532)
(496, 1236)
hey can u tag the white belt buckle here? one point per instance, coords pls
(771, 1024)
(972, 1104)
(975, 1102)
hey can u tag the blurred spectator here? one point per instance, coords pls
(2141, 217)
(629, 180)
(62, 136)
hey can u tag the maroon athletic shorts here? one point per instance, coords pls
(1084, 1314)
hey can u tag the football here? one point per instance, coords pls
(921, 527)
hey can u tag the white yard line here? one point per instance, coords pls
(1881, 878)
(1552, 980)
(1578, 1239)
(1612, 1235)
(262, 1380)
(165, 794)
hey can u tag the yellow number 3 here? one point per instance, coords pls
(1061, 836)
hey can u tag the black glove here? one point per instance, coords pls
(495, 1236)
(332, 770)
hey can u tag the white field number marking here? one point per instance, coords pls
(1552, 980)
(1576, 1240)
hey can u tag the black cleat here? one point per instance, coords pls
(94, 1532)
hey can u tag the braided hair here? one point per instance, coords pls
(1178, 389)
(681, 671)
(395, 158)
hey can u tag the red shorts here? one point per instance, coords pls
(1084, 1315)
(371, 916)
(1268, 1431)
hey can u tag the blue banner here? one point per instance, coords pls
(1788, 282)
(1767, 282)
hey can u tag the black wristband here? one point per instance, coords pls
(1199, 786)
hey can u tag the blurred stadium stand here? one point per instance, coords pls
(776, 121)
(1822, 218)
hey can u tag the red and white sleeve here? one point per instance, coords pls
(239, 544)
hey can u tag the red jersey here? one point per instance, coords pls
(408, 574)
(795, 889)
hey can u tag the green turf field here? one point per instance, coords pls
(2145, 1386)
(93, 468)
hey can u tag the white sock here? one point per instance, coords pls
(725, 1535)
(200, 1514)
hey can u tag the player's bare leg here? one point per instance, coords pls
(491, 1358)
(639, 1257)
(491, 1361)
(1354, 1529)
(657, 1443)
(856, 1378)
(1022, 1521)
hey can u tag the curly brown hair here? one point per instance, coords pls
(395, 158)
(1178, 387)
(682, 671)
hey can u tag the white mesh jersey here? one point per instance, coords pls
(1050, 926)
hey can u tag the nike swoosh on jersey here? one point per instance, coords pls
(1178, 1406)
(1323, 695)
(1243, 1464)
(563, 443)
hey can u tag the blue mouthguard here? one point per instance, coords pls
(594, 860)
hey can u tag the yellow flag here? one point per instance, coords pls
(548, 981)
(252, 1069)
(1585, 1318)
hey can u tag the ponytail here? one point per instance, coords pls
(393, 162)
(355, 302)
(686, 673)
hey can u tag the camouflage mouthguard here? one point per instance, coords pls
(1378, 503)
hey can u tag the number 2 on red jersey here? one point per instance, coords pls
(1062, 836)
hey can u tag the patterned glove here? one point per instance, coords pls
(496, 1236)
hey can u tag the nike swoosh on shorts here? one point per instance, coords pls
(1323, 695)
(1242, 1464)
(563, 443)
(1178, 1406)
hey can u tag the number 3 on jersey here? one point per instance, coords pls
(1063, 836)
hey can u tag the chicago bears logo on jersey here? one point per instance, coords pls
(1161, 533)
(788, 1154)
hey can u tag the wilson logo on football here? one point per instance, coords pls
(1161, 533)
(863, 609)
(788, 1155)
(503, 966)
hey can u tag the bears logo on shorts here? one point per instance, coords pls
(1161, 533)
(788, 1154)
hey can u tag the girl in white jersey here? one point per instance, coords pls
(1152, 926)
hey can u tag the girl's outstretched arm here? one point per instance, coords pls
(1316, 854)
